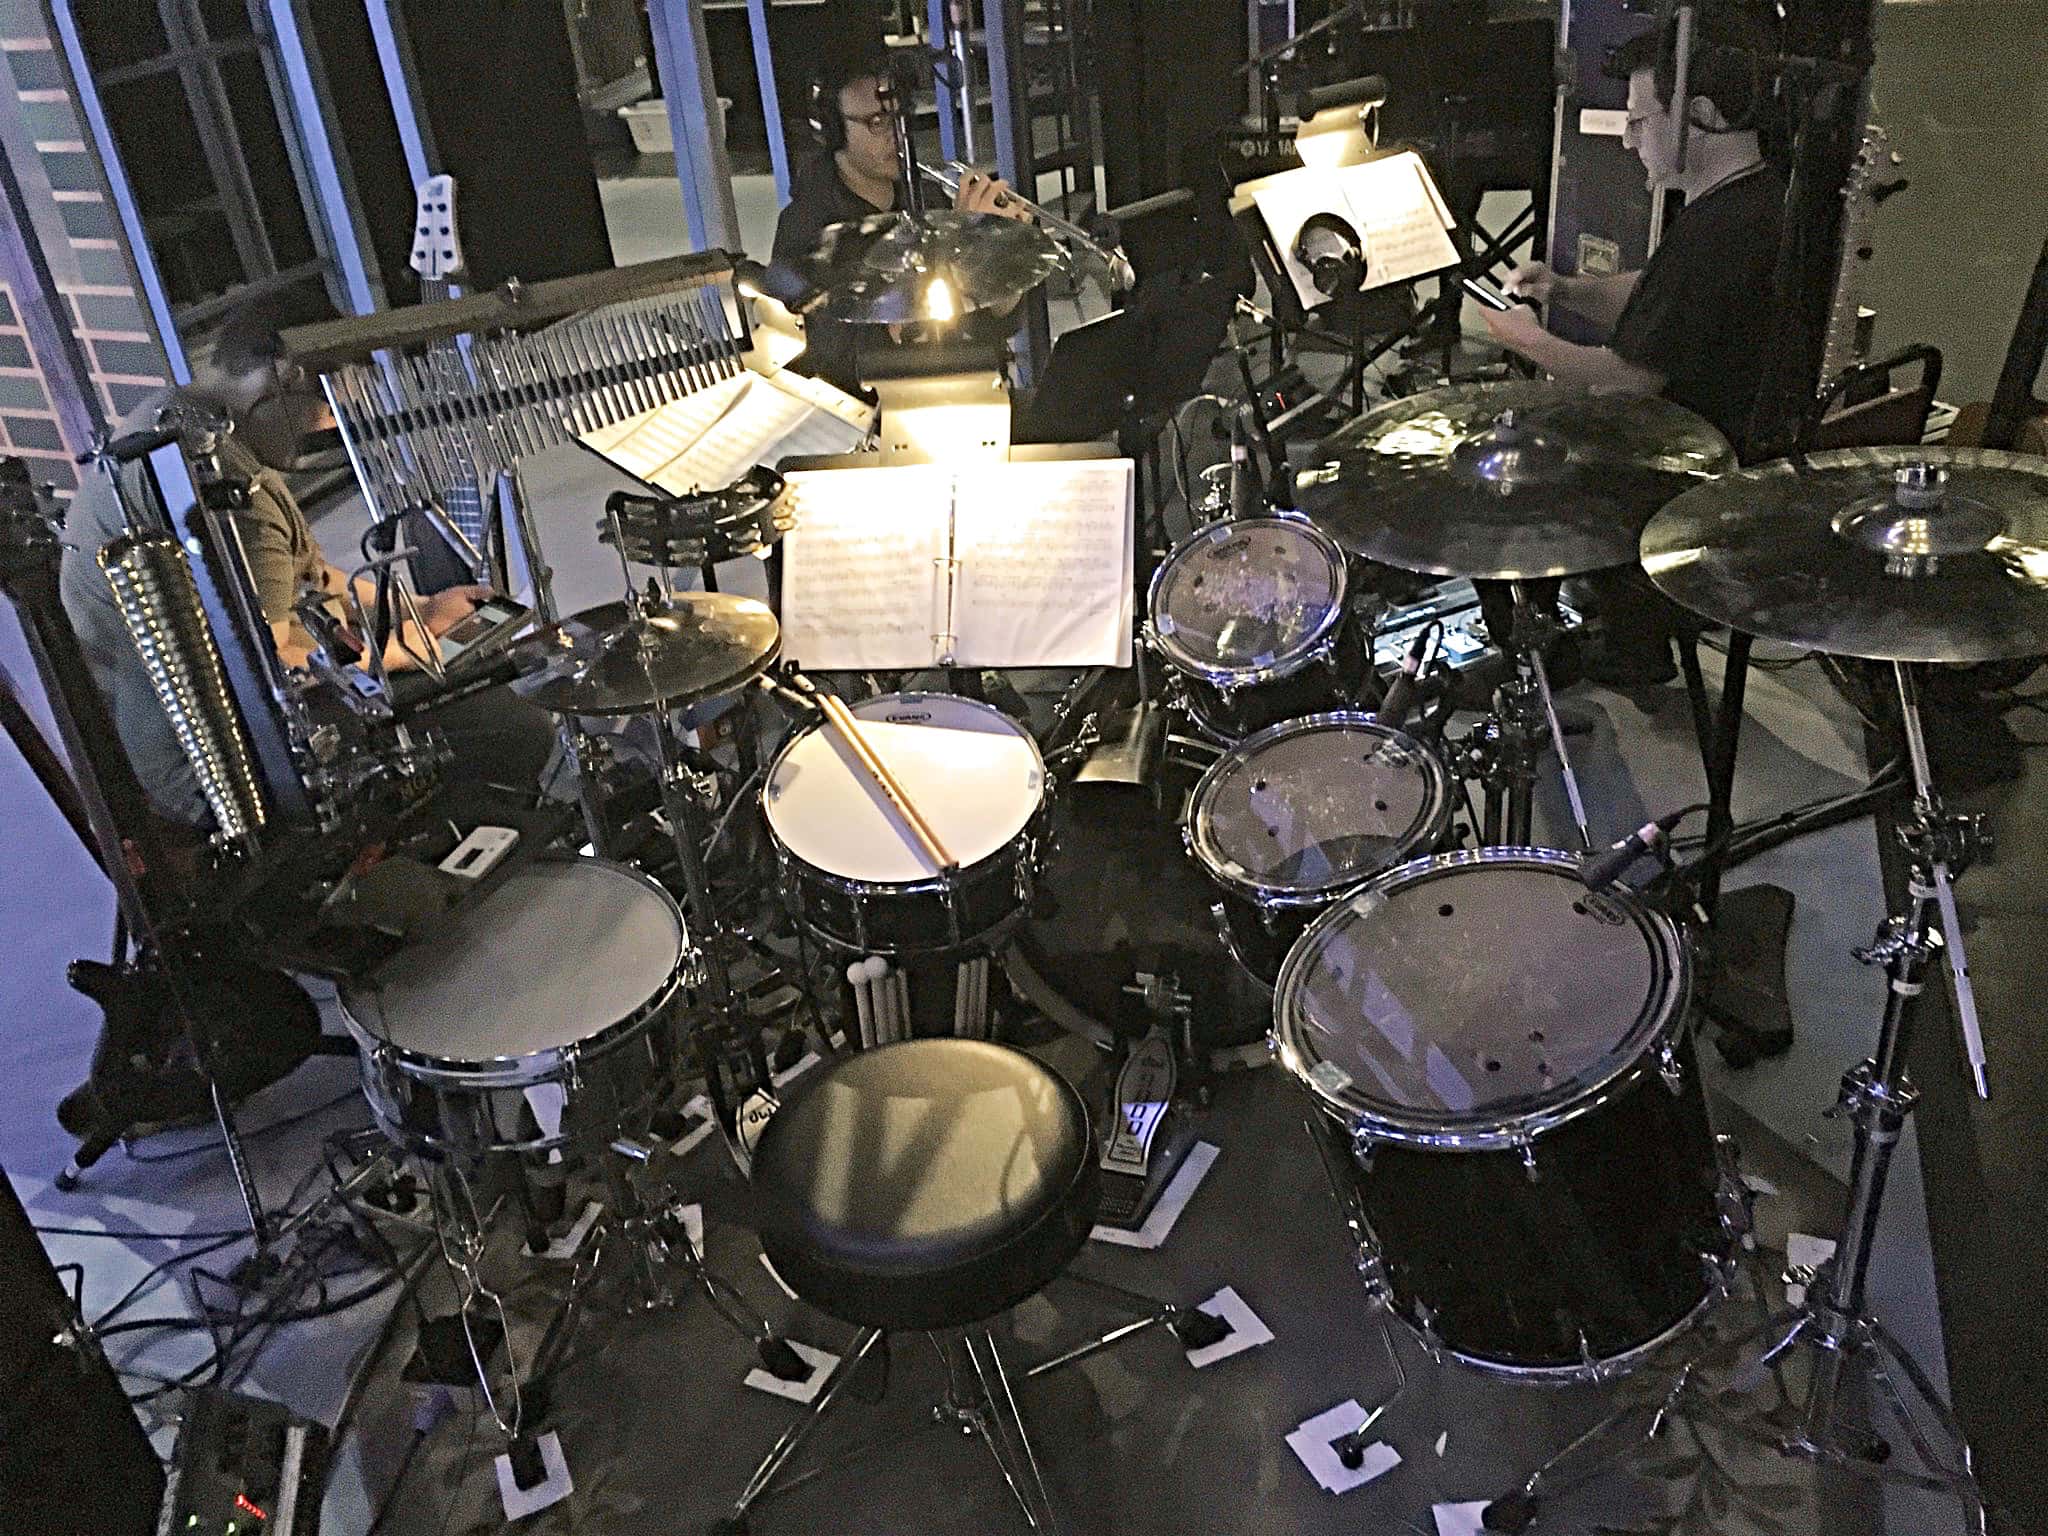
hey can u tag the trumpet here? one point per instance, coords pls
(1072, 234)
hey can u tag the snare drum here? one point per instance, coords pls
(1298, 815)
(540, 1015)
(1251, 616)
(849, 873)
(1504, 1077)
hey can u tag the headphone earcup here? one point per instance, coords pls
(823, 117)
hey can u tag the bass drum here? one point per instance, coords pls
(1252, 617)
(543, 1015)
(1119, 898)
(1501, 1064)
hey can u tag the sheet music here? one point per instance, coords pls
(1392, 201)
(1405, 221)
(710, 438)
(1045, 565)
(860, 577)
(1043, 574)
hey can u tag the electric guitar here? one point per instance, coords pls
(438, 262)
(1873, 177)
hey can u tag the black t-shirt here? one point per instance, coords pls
(819, 197)
(1701, 315)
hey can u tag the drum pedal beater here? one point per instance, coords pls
(1834, 1322)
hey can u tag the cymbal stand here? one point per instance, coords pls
(1834, 1324)
(1502, 749)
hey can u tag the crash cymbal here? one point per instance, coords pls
(1506, 481)
(1890, 554)
(612, 661)
(895, 268)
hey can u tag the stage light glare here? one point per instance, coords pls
(939, 303)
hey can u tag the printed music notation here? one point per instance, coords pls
(707, 440)
(988, 565)
(1392, 200)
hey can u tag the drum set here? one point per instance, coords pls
(1496, 1050)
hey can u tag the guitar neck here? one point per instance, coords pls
(465, 499)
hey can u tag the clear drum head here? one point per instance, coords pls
(1309, 809)
(1238, 601)
(559, 953)
(1476, 999)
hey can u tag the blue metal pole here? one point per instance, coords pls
(771, 100)
(939, 38)
(683, 56)
(1009, 98)
(325, 162)
(395, 59)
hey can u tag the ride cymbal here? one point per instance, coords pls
(612, 661)
(1889, 554)
(1507, 481)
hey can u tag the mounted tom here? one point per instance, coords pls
(1252, 615)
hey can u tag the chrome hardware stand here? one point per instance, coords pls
(1834, 1322)
(979, 1401)
(1502, 750)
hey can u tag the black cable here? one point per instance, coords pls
(390, 1500)
(135, 1291)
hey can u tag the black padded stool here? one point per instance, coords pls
(927, 1186)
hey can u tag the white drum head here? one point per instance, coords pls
(1473, 987)
(561, 951)
(974, 774)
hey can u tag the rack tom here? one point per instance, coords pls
(1509, 1096)
(1251, 616)
(1302, 813)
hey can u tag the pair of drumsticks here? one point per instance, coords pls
(908, 817)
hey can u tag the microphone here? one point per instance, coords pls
(1400, 695)
(1244, 485)
(1603, 871)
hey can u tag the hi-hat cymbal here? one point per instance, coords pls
(612, 661)
(1890, 554)
(936, 266)
(1507, 481)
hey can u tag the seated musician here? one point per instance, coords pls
(243, 377)
(854, 174)
(1692, 326)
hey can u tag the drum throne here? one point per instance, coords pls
(927, 1186)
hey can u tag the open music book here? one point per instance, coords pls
(975, 565)
(707, 440)
(1392, 201)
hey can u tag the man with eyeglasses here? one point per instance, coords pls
(856, 174)
(1692, 326)
(242, 377)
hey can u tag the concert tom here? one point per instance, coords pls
(847, 871)
(543, 1014)
(1302, 813)
(1510, 1099)
(1251, 616)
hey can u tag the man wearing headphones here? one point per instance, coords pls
(852, 110)
(1693, 326)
